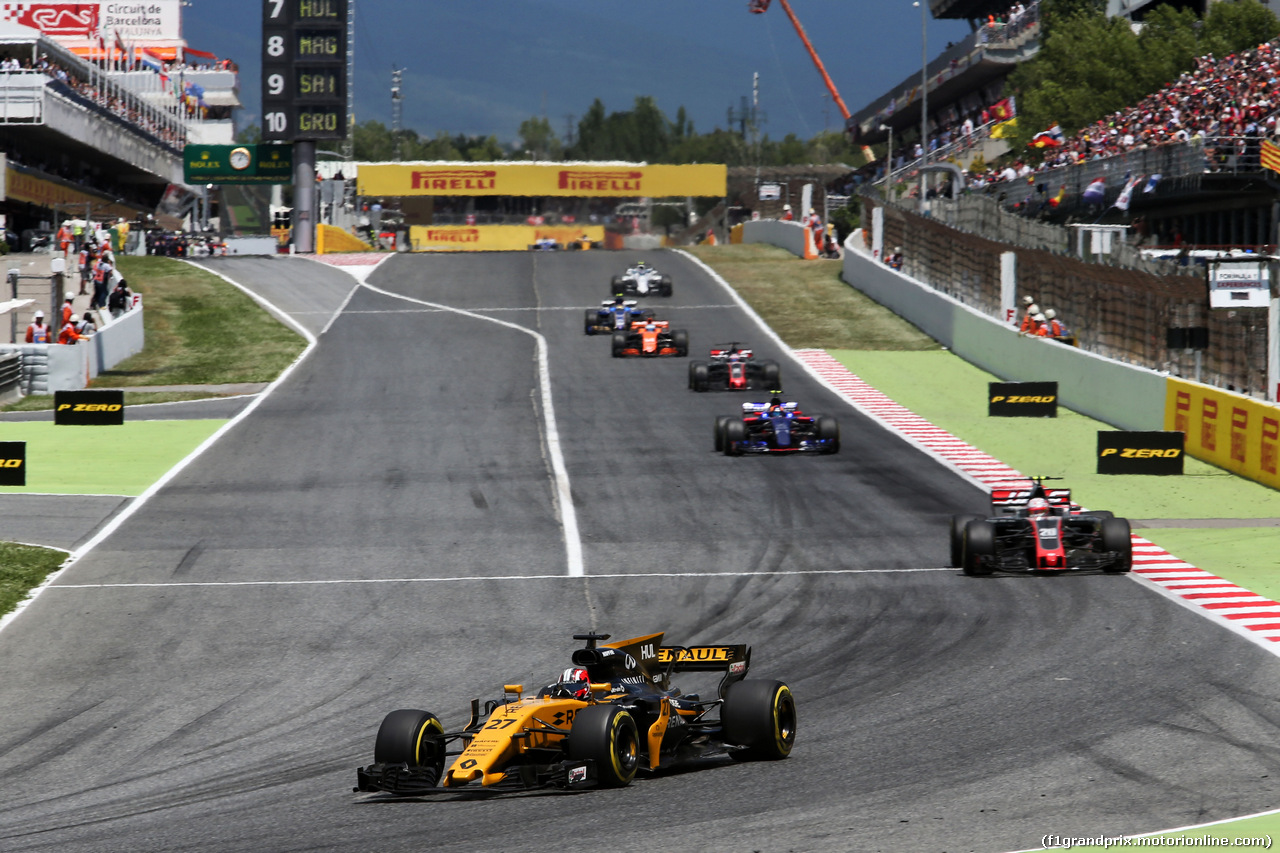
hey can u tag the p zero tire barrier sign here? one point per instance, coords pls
(1022, 399)
(91, 408)
(13, 463)
(1140, 452)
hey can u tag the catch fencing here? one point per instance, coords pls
(1117, 312)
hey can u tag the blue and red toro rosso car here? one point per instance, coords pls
(776, 427)
(1034, 529)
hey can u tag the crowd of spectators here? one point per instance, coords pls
(1009, 24)
(1227, 104)
(115, 99)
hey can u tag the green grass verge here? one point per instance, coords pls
(807, 303)
(895, 357)
(199, 331)
(951, 393)
(44, 402)
(106, 460)
(22, 568)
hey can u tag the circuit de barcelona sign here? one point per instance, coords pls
(540, 179)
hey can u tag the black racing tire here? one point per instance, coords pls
(608, 736)
(664, 285)
(735, 431)
(1115, 535)
(591, 319)
(680, 340)
(979, 541)
(616, 286)
(828, 429)
(619, 343)
(721, 421)
(411, 737)
(1101, 513)
(760, 716)
(699, 376)
(958, 524)
(771, 375)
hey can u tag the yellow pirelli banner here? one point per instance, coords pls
(1226, 429)
(497, 238)
(540, 179)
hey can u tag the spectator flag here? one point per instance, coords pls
(1057, 199)
(1050, 138)
(1270, 155)
(1126, 194)
(1093, 194)
(1151, 184)
(1002, 110)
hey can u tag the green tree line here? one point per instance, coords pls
(640, 134)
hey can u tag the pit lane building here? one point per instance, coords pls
(93, 118)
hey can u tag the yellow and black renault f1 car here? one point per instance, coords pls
(611, 714)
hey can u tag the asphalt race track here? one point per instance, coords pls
(382, 532)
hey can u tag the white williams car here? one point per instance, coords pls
(641, 280)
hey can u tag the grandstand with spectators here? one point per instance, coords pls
(94, 127)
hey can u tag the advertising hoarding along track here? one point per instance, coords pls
(600, 180)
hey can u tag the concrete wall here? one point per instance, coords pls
(1123, 395)
(53, 367)
(784, 235)
(251, 245)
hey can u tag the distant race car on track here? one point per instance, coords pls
(641, 280)
(615, 315)
(614, 712)
(733, 367)
(776, 427)
(1034, 529)
(651, 339)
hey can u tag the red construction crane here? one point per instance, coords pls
(757, 7)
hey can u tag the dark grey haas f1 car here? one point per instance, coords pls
(1032, 529)
(611, 714)
(776, 427)
(733, 367)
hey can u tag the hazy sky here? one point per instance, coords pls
(484, 66)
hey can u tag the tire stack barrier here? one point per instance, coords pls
(34, 361)
(10, 377)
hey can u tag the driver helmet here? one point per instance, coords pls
(639, 265)
(1037, 507)
(649, 326)
(574, 682)
(619, 299)
(775, 403)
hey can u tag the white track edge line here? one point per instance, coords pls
(137, 503)
(885, 423)
(481, 578)
(563, 493)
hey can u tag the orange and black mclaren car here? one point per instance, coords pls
(610, 715)
(651, 338)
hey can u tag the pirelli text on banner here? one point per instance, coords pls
(1121, 452)
(13, 463)
(605, 180)
(1022, 399)
(88, 408)
(1226, 429)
